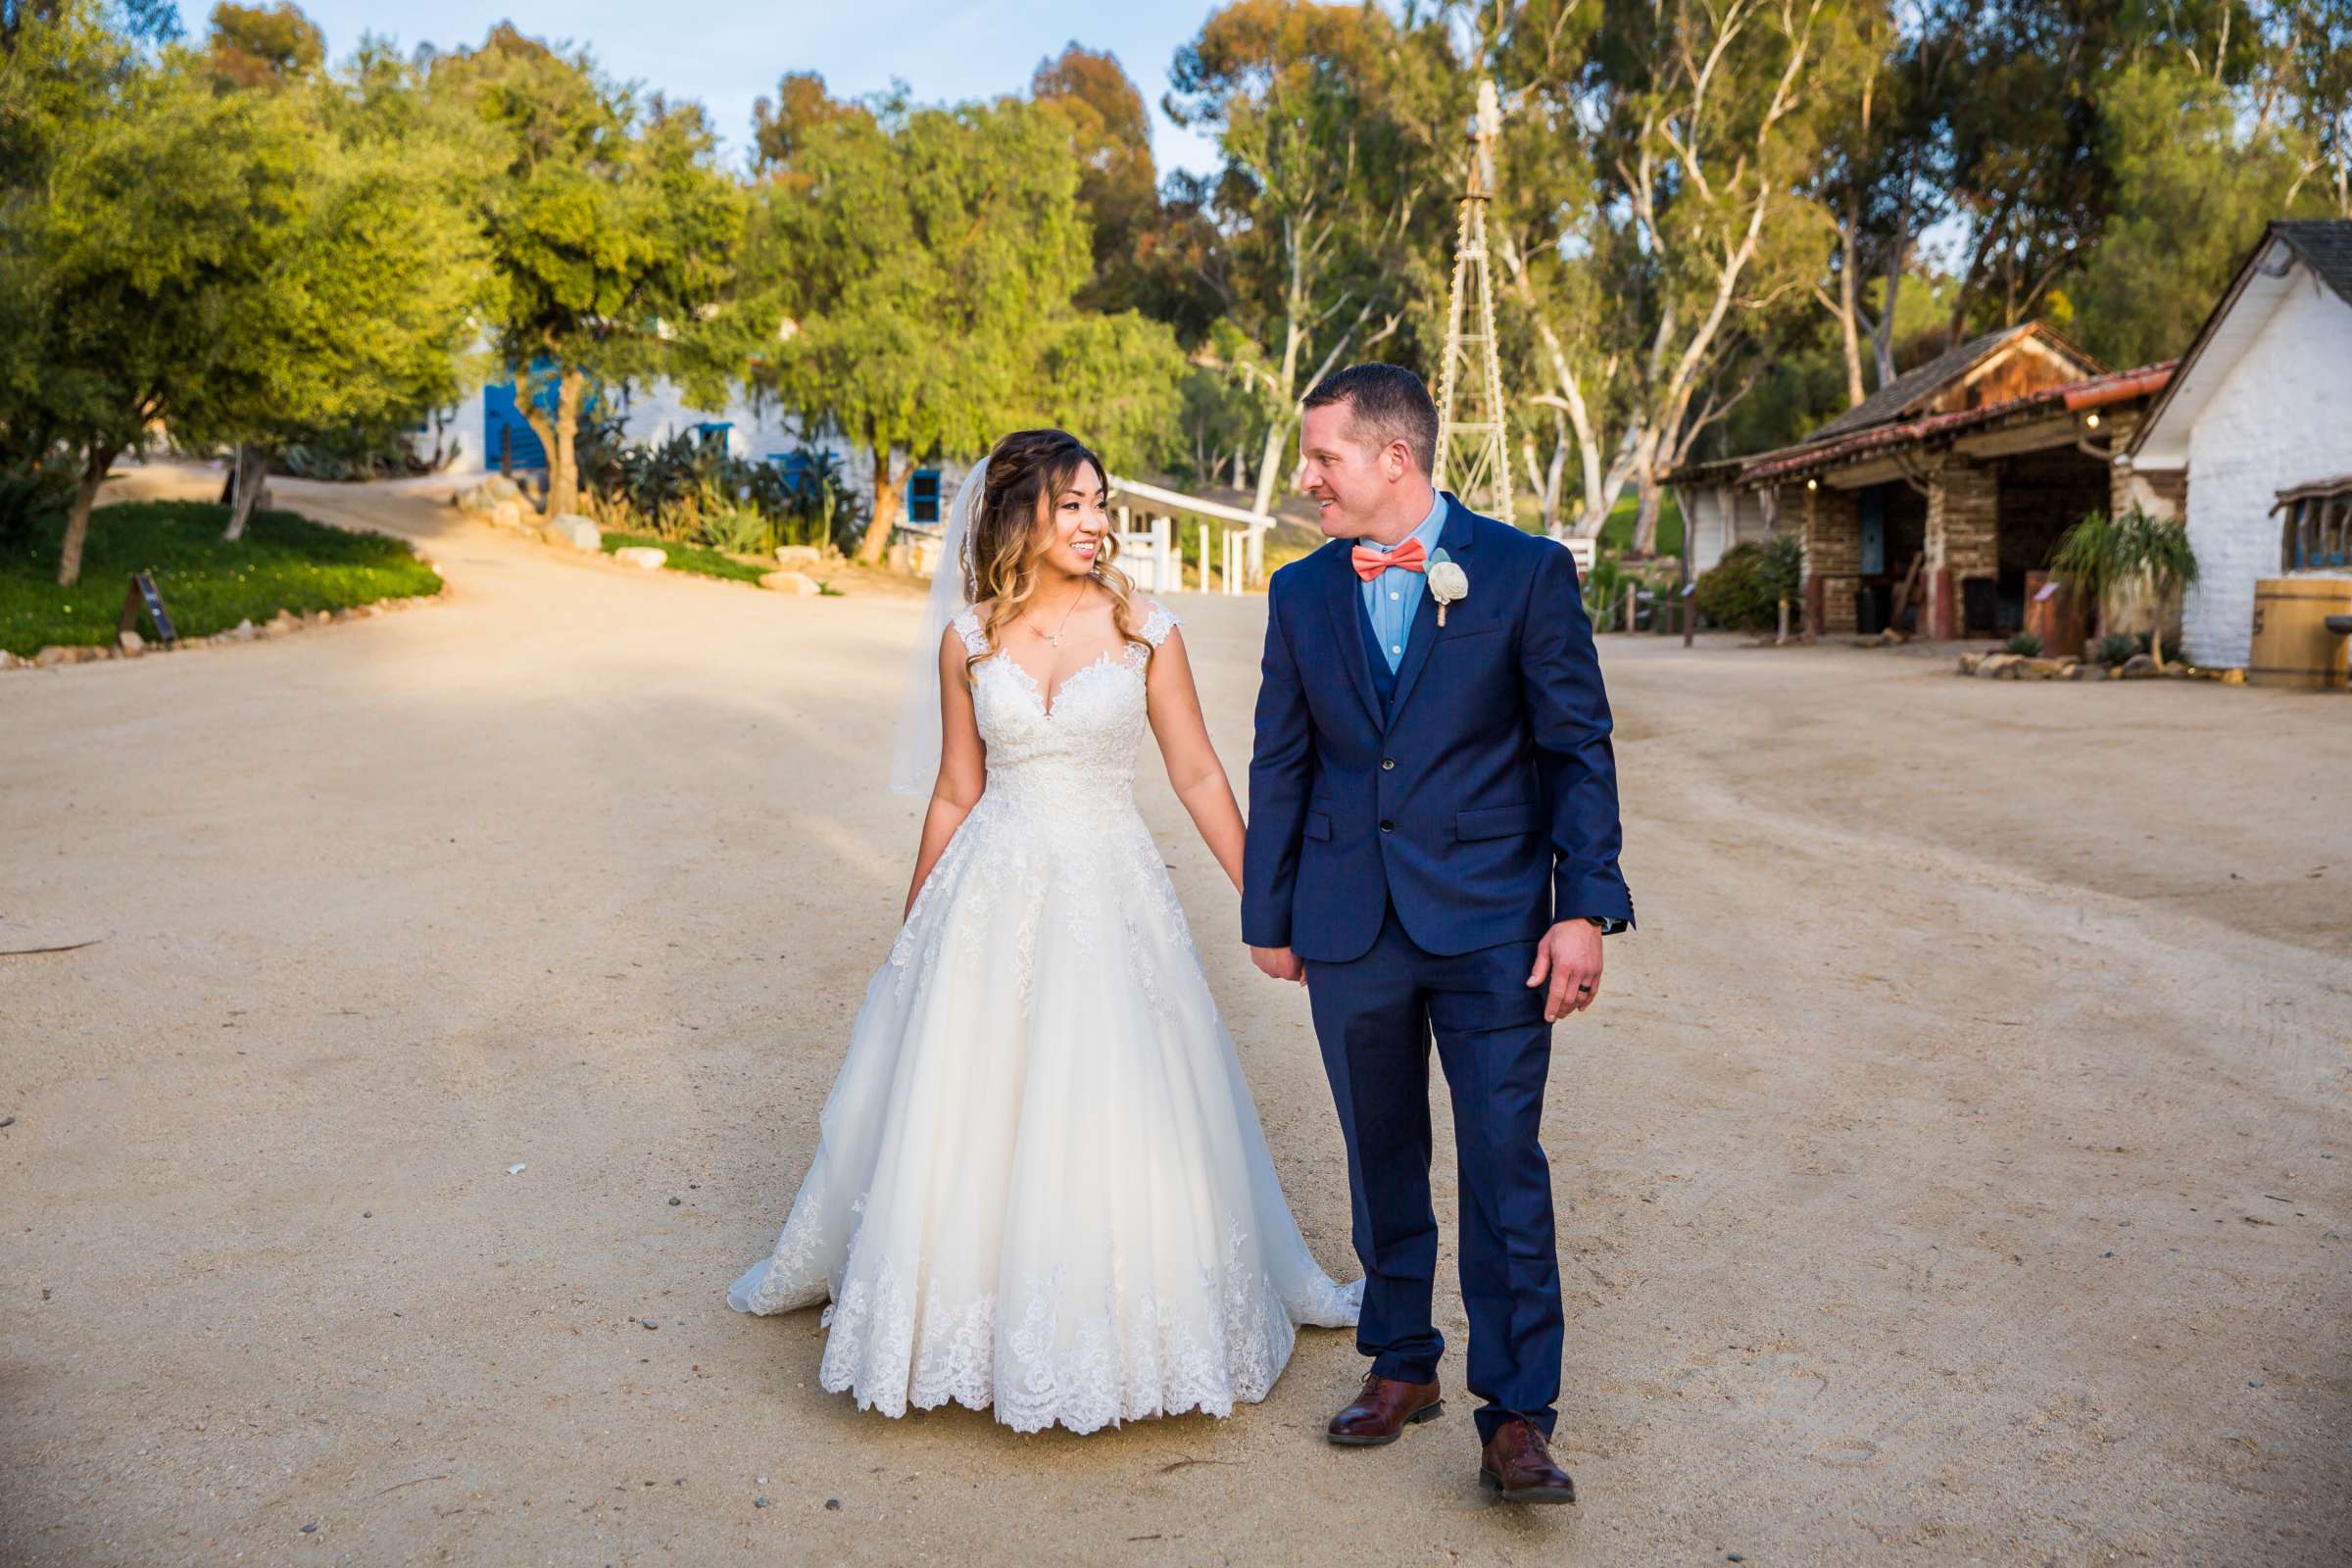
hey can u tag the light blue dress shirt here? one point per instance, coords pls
(1392, 597)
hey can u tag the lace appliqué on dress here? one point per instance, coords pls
(1045, 987)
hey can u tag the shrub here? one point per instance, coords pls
(1744, 590)
(690, 491)
(2117, 645)
(2025, 643)
(29, 492)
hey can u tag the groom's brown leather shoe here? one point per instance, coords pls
(1517, 1462)
(1384, 1411)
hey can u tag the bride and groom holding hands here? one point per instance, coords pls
(1041, 1186)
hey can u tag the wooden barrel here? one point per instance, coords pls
(2292, 645)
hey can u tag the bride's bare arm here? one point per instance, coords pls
(1193, 767)
(963, 764)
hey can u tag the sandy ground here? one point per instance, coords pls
(1954, 1170)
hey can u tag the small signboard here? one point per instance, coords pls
(143, 598)
(2049, 590)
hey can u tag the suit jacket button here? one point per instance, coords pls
(1388, 827)
(1387, 764)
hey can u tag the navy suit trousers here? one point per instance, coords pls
(1374, 1016)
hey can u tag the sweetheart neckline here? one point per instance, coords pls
(1110, 657)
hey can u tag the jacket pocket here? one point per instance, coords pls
(1496, 822)
(1318, 826)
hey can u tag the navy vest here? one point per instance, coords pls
(1384, 680)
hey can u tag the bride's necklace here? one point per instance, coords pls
(1053, 638)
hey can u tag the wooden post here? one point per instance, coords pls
(1630, 589)
(1782, 636)
(1683, 599)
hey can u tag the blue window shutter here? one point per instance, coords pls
(923, 495)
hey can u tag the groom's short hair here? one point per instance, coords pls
(1385, 403)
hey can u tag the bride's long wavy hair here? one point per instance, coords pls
(1012, 528)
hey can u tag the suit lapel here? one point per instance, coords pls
(1456, 540)
(1343, 598)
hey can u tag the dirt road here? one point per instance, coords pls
(1955, 1169)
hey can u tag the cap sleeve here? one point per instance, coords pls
(1157, 624)
(968, 627)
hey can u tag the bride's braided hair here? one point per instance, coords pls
(1011, 530)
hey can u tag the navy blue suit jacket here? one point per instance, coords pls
(1482, 802)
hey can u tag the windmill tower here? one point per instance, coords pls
(1470, 439)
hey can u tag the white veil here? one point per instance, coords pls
(914, 760)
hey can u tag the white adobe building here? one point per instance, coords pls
(2259, 412)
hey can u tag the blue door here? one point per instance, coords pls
(508, 438)
(505, 430)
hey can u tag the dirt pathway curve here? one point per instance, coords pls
(1956, 1170)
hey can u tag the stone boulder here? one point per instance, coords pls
(799, 556)
(570, 528)
(2139, 667)
(798, 583)
(1969, 662)
(489, 495)
(1998, 667)
(645, 555)
(131, 643)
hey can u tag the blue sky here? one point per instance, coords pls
(726, 53)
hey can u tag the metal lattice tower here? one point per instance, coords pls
(1470, 435)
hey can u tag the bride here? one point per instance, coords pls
(1040, 1181)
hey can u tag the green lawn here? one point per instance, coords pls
(208, 584)
(1618, 531)
(692, 557)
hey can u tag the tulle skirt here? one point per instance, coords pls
(1041, 1185)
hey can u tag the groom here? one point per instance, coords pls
(1432, 849)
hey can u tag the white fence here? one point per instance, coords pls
(1153, 550)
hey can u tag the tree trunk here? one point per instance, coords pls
(886, 512)
(249, 464)
(77, 521)
(1849, 301)
(562, 459)
(1882, 337)
(1649, 494)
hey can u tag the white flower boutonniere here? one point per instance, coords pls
(1447, 582)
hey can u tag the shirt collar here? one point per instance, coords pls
(1431, 527)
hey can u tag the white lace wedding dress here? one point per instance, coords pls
(1040, 1181)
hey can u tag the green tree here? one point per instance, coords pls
(1118, 188)
(125, 276)
(1655, 219)
(359, 311)
(613, 233)
(1326, 179)
(264, 46)
(2192, 187)
(923, 263)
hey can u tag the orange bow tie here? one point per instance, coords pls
(1370, 564)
